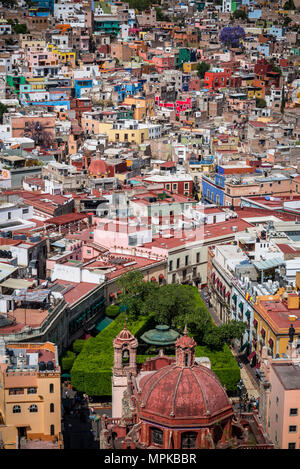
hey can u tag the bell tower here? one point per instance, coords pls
(125, 346)
(185, 350)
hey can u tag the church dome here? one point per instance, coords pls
(97, 167)
(175, 392)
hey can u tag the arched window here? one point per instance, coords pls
(52, 431)
(33, 408)
(51, 407)
(157, 436)
(16, 409)
(125, 357)
(188, 440)
(51, 387)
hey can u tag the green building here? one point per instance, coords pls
(14, 82)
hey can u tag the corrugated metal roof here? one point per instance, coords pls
(269, 263)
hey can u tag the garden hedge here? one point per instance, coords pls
(112, 311)
(78, 345)
(223, 364)
(67, 360)
(92, 370)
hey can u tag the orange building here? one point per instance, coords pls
(143, 106)
(30, 396)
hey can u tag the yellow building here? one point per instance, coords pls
(36, 83)
(273, 315)
(30, 395)
(188, 67)
(143, 106)
(64, 57)
(255, 92)
(29, 42)
(132, 134)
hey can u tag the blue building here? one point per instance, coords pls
(44, 4)
(80, 84)
(264, 49)
(127, 89)
(213, 190)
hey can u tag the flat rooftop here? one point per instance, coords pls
(288, 374)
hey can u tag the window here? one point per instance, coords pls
(9, 215)
(188, 440)
(31, 390)
(51, 407)
(171, 265)
(14, 391)
(33, 408)
(178, 263)
(292, 428)
(292, 445)
(51, 387)
(16, 409)
(52, 430)
(157, 436)
(293, 411)
(186, 260)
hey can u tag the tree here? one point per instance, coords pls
(282, 107)
(286, 21)
(134, 292)
(202, 68)
(240, 14)
(171, 304)
(3, 110)
(260, 103)
(232, 330)
(289, 5)
(231, 36)
(17, 27)
(160, 16)
(36, 132)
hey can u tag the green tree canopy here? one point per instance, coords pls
(261, 103)
(202, 68)
(3, 110)
(240, 14)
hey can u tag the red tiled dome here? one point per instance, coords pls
(176, 392)
(97, 167)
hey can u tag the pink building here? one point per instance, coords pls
(163, 62)
(280, 398)
(180, 105)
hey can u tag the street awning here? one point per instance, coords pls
(257, 365)
(234, 297)
(227, 294)
(244, 346)
(252, 354)
(255, 323)
(248, 314)
(241, 305)
(103, 324)
(263, 332)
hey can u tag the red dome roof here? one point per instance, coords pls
(176, 392)
(97, 167)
